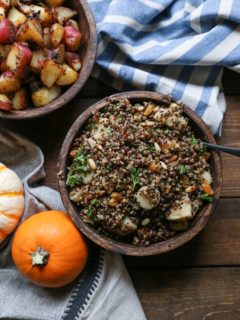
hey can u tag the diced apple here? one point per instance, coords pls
(5, 103)
(46, 37)
(54, 3)
(7, 31)
(9, 82)
(72, 38)
(68, 76)
(72, 23)
(20, 100)
(38, 57)
(18, 59)
(57, 55)
(45, 95)
(42, 13)
(56, 34)
(64, 13)
(30, 30)
(16, 17)
(50, 72)
(73, 60)
(5, 4)
(4, 51)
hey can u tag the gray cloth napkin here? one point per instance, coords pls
(103, 291)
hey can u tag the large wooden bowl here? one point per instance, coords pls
(201, 219)
(87, 53)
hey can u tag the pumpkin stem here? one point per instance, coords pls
(40, 257)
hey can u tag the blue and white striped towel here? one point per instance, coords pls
(176, 47)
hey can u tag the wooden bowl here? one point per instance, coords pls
(87, 53)
(201, 219)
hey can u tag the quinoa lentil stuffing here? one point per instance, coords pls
(138, 173)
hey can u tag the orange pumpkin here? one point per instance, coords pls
(49, 250)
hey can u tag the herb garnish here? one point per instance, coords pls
(202, 149)
(183, 169)
(193, 141)
(165, 131)
(108, 130)
(77, 169)
(205, 197)
(73, 179)
(89, 212)
(134, 176)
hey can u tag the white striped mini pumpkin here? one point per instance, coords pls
(11, 201)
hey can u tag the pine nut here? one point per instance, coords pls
(92, 164)
(148, 110)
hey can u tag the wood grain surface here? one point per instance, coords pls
(199, 281)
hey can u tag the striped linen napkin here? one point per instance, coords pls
(176, 47)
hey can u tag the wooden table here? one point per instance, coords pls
(200, 280)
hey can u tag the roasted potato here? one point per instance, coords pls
(20, 100)
(57, 55)
(9, 82)
(72, 38)
(63, 14)
(50, 72)
(73, 23)
(56, 34)
(45, 95)
(16, 17)
(73, 60)
(41, 13)
(7, 31)
(38, 57)
(68, 76)
(18, 59)
(30, 30)
(5, 103)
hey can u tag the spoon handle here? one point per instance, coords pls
(233, 151)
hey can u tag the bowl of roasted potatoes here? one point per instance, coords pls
(47, 52)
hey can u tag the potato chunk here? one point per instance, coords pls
(68, 76)
(38, 57)
(50, 72)
(30, 30)
(56, 34)
(54, 3)
(20, 100)
(45, 95)
(9, 82)
(42, 13)
(16, 17)
(64, 13)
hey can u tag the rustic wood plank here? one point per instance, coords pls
(231, 137)
(55, 126)
(218, 244)
(189, 294)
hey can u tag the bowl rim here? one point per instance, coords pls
(121, 247)
(75, 88)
